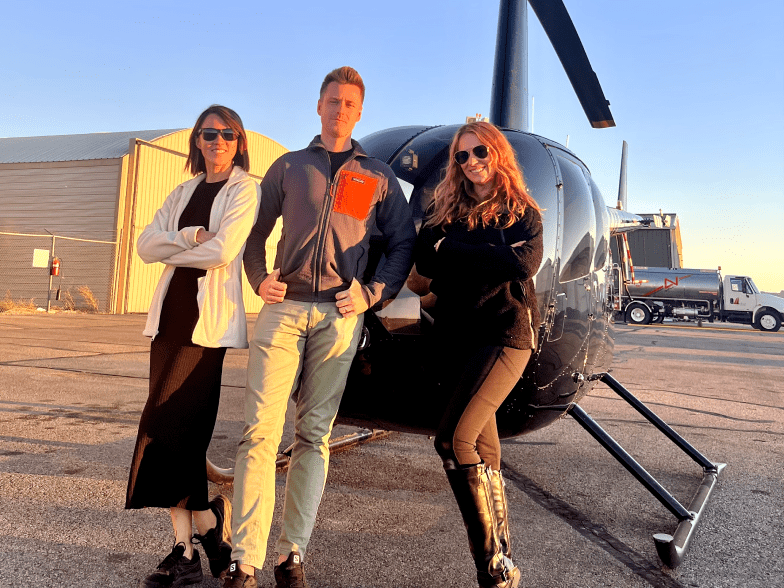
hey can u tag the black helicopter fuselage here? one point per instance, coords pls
(393, 384)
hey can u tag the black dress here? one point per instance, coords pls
(169, 462)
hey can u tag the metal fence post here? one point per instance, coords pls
(49, 291)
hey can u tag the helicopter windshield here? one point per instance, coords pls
(418, 156)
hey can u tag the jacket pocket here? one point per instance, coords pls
(354, 194)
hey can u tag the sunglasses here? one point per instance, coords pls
(210, 135)
(462, 156)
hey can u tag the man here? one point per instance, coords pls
(331, 196)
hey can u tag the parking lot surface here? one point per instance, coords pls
(72, 388)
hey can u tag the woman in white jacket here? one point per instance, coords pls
(196, 313)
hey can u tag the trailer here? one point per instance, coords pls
(651, 294)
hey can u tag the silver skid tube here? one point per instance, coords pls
(671, 548)
(226, 475)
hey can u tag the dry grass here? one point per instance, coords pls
(89, 303)
(12, 306)
(89, 298)
(68, 300)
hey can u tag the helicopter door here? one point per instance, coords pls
(577, 253)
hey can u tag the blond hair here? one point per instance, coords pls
(343, 75)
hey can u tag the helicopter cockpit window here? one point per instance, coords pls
(407, 188)
(579, 222)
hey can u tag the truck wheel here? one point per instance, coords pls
(768, 320)
(658, 315)
(638, 314)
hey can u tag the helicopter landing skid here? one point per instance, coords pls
(222, 476)
(671, 548)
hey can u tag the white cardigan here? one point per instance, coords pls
(233, 214)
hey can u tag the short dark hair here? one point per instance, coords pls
(195, 163)
(343, 75)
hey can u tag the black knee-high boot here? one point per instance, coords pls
(474, 496)
(501, 511)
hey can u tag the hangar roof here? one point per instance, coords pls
(72, 147)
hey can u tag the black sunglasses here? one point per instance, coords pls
(210, 135)
(462, 156)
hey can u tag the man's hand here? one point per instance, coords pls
(353, 301)
(203, 236)
(271, 290)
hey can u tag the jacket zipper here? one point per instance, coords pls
(329, 198)
(321, 236)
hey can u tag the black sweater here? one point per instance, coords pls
(484, 285)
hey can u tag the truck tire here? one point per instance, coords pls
(638, 314)
(767, 320)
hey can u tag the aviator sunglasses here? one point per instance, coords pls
(462, 156)
(210, 135)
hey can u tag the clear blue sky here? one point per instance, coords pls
(696, 88)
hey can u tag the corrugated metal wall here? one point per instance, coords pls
(155, 171)
(652, 248)
(154, 174)
(73, 198)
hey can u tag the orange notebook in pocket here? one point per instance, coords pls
(354, 194)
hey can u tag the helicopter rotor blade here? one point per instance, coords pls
(560, 29)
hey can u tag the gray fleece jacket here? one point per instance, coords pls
(327, 225)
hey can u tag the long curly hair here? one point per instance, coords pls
(509, 198)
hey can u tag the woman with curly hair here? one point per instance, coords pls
(481, 245)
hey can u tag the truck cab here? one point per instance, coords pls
(744, 303)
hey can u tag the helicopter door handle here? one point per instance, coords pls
(559, 304)
(558, 314)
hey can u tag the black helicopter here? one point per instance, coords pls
(391, 374)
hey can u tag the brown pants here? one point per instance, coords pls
(468, 433)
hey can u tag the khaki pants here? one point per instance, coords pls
(305, 349)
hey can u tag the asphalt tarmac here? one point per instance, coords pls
(72, 388)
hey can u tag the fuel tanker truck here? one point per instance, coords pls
(650, 294)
